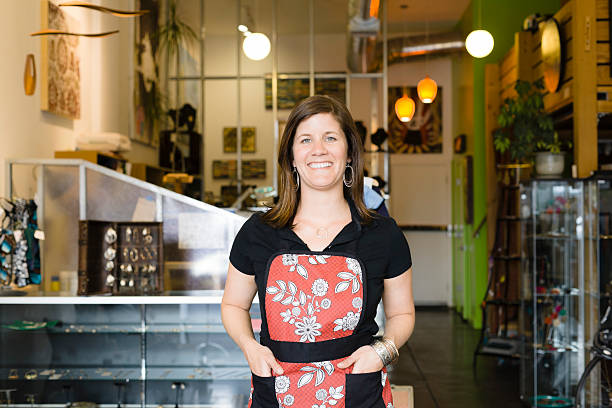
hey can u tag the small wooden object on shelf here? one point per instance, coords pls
(106, 159)
(178, 181)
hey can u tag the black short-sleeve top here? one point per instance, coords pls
(379, 245)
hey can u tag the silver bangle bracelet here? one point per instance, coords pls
(384, 352)
(392, 349)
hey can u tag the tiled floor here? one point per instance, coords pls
(437, 362)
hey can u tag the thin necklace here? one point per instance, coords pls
(322, 232)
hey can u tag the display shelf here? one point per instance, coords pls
(236, 373)
(567, 292)
(72, 373)
(545, 349)
(82, 329)
(157, 328)
(113, 300)
(553, 322)
(132, 373)
(555, 237)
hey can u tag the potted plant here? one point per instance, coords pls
(525, 127)
(549, 158)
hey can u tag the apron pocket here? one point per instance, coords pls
(364, 390)
(264, 395)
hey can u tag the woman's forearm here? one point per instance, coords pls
(399, 328)
(237, 323)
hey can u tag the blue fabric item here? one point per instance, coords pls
(371, 198)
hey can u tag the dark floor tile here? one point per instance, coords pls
(437, 362)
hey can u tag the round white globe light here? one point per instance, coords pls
(479, 43)
(256, 46)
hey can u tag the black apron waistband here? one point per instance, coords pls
(293, 352)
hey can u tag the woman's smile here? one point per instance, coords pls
(319, 165)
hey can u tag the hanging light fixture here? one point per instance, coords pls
(427, 89)
(404, 108)
(256, 46)
(479, 43)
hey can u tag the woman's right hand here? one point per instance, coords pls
(261, 360)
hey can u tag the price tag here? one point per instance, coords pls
(39, 234)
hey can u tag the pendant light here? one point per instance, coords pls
(479, 43)
(404, 108)
(427, 88)
(256, 46)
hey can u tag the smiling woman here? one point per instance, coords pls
(321, 263)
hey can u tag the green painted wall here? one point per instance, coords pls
(502, 18)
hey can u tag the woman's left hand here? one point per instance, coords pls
(363, 360)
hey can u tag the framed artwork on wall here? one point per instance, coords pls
(251, 169)
(60, 79)
(147, 88)
(422, 134)
(229, 140)
(292, 90)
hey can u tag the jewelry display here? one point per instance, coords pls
(111, 236)
(31, 375)
(19, 246)
(133, 254)
(131, 258)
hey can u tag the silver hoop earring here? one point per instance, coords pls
(297, 179)
(349, 183)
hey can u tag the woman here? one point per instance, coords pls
(321, 262)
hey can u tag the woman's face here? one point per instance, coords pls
(320, 152)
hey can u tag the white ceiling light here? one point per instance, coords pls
(256, 46)
(242, 28)
(479, 43)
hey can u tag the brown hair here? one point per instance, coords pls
(283, 213)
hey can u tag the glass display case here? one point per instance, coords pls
(121, 351)
(553, 322)
(598, 289)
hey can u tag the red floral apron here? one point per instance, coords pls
(313, 304)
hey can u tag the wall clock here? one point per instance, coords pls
(552, 55)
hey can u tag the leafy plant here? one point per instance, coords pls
(554, 146)
(171, 36)
(525, 126)
(174, 33)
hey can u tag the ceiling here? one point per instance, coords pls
(410, 17)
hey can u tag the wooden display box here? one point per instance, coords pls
(120, 258)
(106, 159)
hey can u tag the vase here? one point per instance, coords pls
(549, 165)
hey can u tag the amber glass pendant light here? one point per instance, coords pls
(427, 88)
(404, 107)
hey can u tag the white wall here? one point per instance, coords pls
(105, 70)
(421, 191)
